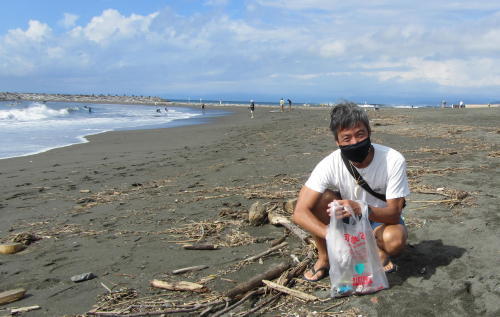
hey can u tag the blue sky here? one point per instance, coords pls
(380, 51)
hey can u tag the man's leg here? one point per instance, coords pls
(391, 240)
(320, 212)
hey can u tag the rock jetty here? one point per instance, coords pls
(147, 100)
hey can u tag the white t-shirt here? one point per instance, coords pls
(385, 174)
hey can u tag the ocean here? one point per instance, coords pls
(30, 127)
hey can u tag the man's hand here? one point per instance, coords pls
(344, 208)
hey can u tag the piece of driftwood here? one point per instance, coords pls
(106, 287)
(258, 256)
(256, 281)
(436, 201)
(190, 269)
(258, 307)
(278, 220)
(238, 303)
(289, 291)
(200, 247)
(278, 241)
(11, 248)
(300, 268)
(289, 205)
(12, 295)
(24, 309)
(178, 286)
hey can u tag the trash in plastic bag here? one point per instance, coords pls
(355, 266)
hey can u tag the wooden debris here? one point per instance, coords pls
(255, 257)
(11, 248)
(278, 241)
(11, 295)
(178, 286)
(279, 220)
(25, 238)
(257, 214)
(289, 291)
(256, 281)
(289, 206)
(24, 309)
(200, 247)
(190, 269)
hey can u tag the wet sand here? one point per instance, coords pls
(122, 205)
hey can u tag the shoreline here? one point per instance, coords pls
(197, 118)
(122, 205)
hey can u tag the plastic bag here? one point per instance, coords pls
(355, 266)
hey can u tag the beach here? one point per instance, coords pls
(123, 205)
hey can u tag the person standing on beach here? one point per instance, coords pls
(252, 108)
(282, 105)
(381, 167)
(289, 104)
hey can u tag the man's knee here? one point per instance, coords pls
(393, 238)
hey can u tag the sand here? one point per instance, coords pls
(122, 206)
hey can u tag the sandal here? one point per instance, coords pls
(324, 270)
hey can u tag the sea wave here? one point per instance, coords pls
(34, 112)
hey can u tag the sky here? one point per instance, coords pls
(379, 51)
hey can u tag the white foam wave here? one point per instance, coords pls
(34, 112)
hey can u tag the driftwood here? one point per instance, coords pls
(11, 248)
(279, 220)
(289, 206)
(178, 286)
(11, 295)
(255, 257)
(256, 281)
(233, 306)
(189, 269)
(24, 309)
(200, 247)
(278, 241)
(436, 201)
(289, 291)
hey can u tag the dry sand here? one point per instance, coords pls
(121, 206)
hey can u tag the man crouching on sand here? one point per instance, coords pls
(382, 168)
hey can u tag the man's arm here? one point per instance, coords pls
(303, 214)
(389, 214)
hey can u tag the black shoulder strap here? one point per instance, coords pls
(354, 172)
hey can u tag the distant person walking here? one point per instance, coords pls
(282, 105)
(289, 104)
(252, 108)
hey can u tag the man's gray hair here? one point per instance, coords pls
(347, 115)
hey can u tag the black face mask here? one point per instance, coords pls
(357, 152)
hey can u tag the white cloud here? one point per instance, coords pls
(68, 20)
(112, 25)
(36, 32)
(451, 73)
(216, 2)
(335, 48)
